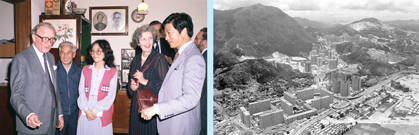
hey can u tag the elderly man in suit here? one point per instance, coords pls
(68, 82)
(201, 42)
(178, 104)
(34, 92)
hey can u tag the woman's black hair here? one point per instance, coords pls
(107, 50)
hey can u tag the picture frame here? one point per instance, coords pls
(126, 65)
(65, 29)
(127, 55)
(124, 75)
(111, 20)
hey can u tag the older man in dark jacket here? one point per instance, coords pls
(68, 76)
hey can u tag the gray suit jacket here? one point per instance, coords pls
(30, 91)
(178, 102)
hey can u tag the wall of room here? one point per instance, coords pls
(7, 32)
(158, 10)
(7, 27)
(7, 20)
(37, 7)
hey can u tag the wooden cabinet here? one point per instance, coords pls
(121, 114)
(7, 115)
(7, 50)
(73, 28)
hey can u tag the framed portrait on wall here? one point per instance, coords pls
(109, 20)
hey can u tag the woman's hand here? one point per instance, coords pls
(90, 115)
(134, 85)
(140, 78)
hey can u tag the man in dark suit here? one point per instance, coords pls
(161, 44)
(34, 92)
(178, 104)
(201, 43)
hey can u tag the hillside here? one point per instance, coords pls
(309, 23)
(259, 31)
(412, 25)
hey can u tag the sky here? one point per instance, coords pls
(335, 11)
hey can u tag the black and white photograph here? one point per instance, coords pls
(125, 74)
(127, 54)
(298, 67)
(118, 22)
(125, 65)
(109, 20)
(100, 21)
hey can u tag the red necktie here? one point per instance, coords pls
(177, 54)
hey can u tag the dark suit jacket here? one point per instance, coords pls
(204, 101)
(30, 91)
(165, 49)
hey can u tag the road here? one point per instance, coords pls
(357, 100)
(312, 121)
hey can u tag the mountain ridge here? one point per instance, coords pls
(259, 31)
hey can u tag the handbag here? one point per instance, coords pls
(145, 97)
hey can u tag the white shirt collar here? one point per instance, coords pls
(38, 53)
(40, 56)
(71, 63)
(41, 59)
(184, 46)
(204, 51)
(93, 66)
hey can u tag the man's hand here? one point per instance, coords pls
(90, 115)
(169, 59)
(33, 121)
(148, 113)
(60, 123)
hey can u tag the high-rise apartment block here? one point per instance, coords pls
(287, 107)
(336, 86)
(307, 67)
(319, 61)
(333, 64)
(314, 59)
(356, 83)
(305, 94)
(259, 106)
(245, 117)
(290, 97)
(344, 89)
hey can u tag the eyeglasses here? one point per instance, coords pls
(46, 39)
(98, 52)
